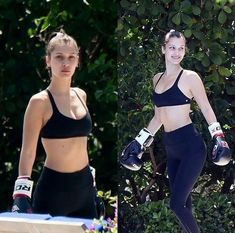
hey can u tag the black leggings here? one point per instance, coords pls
(65, 194)
(186, 154)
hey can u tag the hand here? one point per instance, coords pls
(221, 154)
(22, 195)
(132, 153)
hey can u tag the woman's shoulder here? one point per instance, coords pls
(80, 92)
(192, 78)
(192, 74)
(156, 77)
(39, 99)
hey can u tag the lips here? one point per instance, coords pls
(65, 71)
(177, 58)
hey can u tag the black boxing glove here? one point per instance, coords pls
(22, 195)
(132, 153)
(221, 154)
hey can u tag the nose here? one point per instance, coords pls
(177, 52)
(65, 63)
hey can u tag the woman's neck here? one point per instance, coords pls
(60, 87)
(172, 70)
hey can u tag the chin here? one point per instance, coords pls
(66, 75)
(176, 61)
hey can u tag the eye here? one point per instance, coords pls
(59, 57)
(72, 58)
(172, 47)
(181, 48)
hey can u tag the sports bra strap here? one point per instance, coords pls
(54, 107)
(178, 78)
(176, 81)
(158, 80)
(80, 100)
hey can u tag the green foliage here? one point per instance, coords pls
(24, 28)
(214, 213)
(209, 30)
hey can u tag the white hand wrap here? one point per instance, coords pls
(215, 129)
(23, 186)
(144, 138)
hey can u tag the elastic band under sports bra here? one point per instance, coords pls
(61, 126)
(172, 96)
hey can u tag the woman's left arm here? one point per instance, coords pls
(198, 91)
(221, 154)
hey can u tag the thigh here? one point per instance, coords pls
(172, 168)
(188, 172)
(84, 203)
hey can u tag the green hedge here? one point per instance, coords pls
(209, 30)
(215, 214)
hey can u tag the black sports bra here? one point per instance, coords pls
(61, 126)
(172, 96)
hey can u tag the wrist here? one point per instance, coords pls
(23, 187)
(215, 129)
(144, 138)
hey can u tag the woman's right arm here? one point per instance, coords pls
(32, 125)
(155, 123)
(33, 121)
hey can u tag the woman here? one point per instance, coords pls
(58, 115)
(186, 151)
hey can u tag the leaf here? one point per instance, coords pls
(198, 34)
(187, 33)
(176, 19)
(187, 19)
(154, 10)
(205, 61)
(222, 17)
(227, 9)
(216, 59)
(124, 3)
(196, 10)
(186, 4)
(224, 71)
(141, 10)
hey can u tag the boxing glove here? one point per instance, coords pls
(22, 195)
(132, 153)
(221, 154)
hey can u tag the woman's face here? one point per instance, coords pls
(174, 50)
(62, 61)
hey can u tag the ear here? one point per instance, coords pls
(48, 61)
(163, 50)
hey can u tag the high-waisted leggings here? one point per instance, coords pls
(65, 194)
(186, 154)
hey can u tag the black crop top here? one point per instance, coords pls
(172, 96)
(61, 126)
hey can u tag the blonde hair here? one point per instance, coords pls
(173, 33)
(60, 38)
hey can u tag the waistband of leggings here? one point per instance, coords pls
(55, 178)
(182, 134)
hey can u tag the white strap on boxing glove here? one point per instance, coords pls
(144, 138)
(215, 129)
(23, 186)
